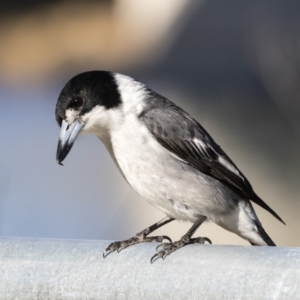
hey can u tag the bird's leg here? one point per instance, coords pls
(140, 237)
(168, 248)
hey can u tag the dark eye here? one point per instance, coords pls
(76, 102)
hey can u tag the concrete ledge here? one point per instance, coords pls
(75, 269)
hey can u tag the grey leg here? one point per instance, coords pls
(140, 237)
(168, 248)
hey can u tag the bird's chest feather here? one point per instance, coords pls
(153, 172)
(165, 181)
(141, 158)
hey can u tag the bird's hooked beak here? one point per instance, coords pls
(67, 137)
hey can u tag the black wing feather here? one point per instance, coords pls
(178, 132)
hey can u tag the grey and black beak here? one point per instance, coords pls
(67, 137)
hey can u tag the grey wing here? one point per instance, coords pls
(182, 135)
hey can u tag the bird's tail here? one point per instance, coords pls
(262, 233)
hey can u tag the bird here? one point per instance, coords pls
(164, 154)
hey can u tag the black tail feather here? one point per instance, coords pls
(264, 236)
(264, 205)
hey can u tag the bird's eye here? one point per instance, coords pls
(76, 102)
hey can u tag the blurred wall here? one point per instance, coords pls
(233, 65)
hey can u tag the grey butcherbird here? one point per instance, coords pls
(164, 154)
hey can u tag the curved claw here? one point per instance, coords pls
(202, 240)
(106, 252)
(155, 257)
(165, 255)
(166, 238)
(160, 245)
(163, 245)
(121, 248)
(207, 240)
(111, 248)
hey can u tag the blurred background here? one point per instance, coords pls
(234, 65)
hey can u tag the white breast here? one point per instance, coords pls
(166, 182)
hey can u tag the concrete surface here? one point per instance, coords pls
(75, 269)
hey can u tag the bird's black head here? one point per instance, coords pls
(86, 90)
(80, 96)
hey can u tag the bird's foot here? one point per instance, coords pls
(138, 238)
(168, 248)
